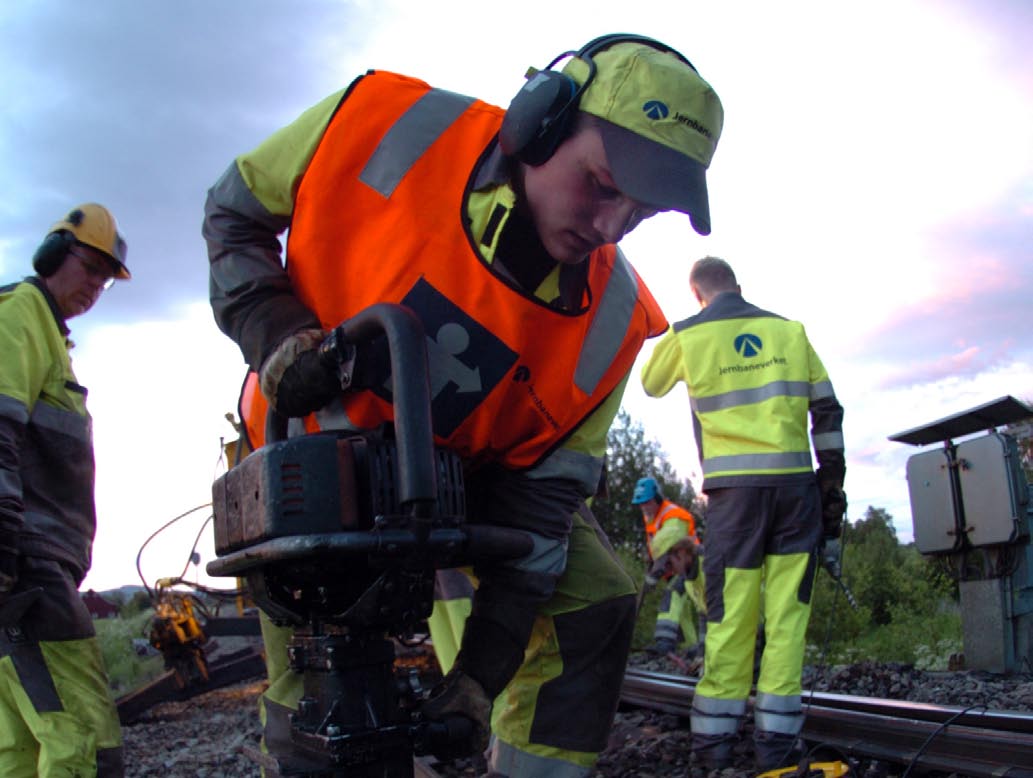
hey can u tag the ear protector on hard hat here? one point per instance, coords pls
(91, 225)
(52, 251)
(542, 114)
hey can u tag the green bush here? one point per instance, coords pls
(925, 640)
(127, 670)
(907, 610)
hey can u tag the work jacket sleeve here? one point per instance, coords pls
(664, 367)
(247, 210)
(12, 433)
(826, 422)
(22, 377)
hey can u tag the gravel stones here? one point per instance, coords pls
(206, 737)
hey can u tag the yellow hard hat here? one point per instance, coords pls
(93, 225)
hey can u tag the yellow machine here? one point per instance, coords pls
(176, 633)
(808, 769)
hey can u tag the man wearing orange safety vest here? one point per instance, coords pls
(498, 229)
(663, 519)
(658, 510)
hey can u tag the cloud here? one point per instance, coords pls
(141, 106)
(966, 316)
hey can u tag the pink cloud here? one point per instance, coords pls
(968, 361)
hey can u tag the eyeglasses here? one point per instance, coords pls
(95, 268)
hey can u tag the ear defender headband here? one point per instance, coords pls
(542, 114)
(52, 251)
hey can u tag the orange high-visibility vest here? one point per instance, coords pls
(379, 217)
(667, 510)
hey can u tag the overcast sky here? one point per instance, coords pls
(873, 180)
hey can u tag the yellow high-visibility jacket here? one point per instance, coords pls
(46, 434)
(753, 378)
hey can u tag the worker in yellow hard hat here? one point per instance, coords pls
(57, 717)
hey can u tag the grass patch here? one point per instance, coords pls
(127, 670)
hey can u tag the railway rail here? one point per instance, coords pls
(964, 741)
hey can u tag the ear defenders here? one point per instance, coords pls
(52, 251)
(542, 114)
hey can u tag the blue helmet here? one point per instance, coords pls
(645, 490)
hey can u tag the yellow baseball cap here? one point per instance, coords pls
(661, 125)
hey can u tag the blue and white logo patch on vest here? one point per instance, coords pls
(466, 360)
(748, 345)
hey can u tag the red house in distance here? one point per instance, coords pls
(98, 607)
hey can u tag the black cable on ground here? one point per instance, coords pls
(935, 733)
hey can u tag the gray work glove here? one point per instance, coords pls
(294, 379)
(460, 695)
(831, 557)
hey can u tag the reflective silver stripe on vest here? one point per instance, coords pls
(510, 761)
(725, 400)
(823, 441)
(779, 713)
(754, 462)
(13, 409)
(331, 417)
(716, 717)
(821, 390)
(608, 328)
(69, 423)
(547, 556)
(565, 463)
(410, 136)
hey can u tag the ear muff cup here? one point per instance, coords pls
(536, 121)
(52, 252)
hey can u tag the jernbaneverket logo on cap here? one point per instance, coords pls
(662, 124)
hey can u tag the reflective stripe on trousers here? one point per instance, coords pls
(676, 615)
(781, 713)
(505, 761)
(716, 718)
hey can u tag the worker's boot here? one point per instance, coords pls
(713, 752)
(772, 750)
